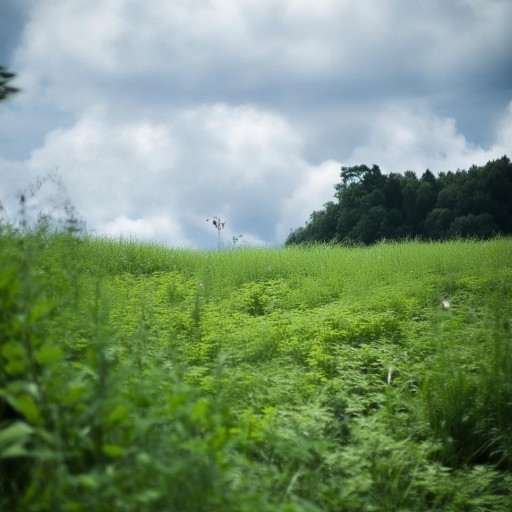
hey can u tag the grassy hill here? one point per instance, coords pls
(135, 377)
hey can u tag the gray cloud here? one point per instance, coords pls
(159, 114)
(204, 50)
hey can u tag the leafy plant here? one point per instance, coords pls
(137, 377)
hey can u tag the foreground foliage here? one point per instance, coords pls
(139, 378)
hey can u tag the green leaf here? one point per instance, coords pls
(112, 450)
(88, 481)
(201, 409)
(27, 406)
(15, 450)
(118, 415)
(14, 355)
(148, 496)
(15, 432)
(48, 354)
(73, 506)
(39, 310)
(13, 439)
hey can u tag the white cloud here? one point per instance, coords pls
(316, 189)
(158, 228)
(159, 176)
(108, 166)
(127, 174)
(160, 114)
(404, 138)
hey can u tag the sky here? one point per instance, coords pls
(156, 115)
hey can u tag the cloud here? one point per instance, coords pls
(158, 229)
(504, 133)
(315, 189)
(256, 49)
(404, 138)
(158, 176)
(322, 65)
(125, 173)
(161, 114)
(108, 166)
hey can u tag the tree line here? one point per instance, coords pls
(371, 206)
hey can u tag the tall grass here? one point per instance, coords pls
(468, 392)
(138, 377)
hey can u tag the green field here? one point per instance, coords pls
(139, 378)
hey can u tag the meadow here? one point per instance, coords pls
(136, 377)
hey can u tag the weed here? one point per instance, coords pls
(136, 377)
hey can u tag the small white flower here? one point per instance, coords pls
(446, 304)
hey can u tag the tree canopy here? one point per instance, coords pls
(6, 90)
(370, 206)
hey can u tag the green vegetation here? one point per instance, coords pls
(6, 90)
(323, 378)
(371, 206)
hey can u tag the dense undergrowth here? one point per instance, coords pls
(135, 377)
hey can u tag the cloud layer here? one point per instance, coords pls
(161, 114)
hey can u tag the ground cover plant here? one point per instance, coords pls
(320, 378)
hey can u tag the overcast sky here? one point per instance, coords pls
(158, 114)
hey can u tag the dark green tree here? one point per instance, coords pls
(371, 206)
(480, 226)
(438, 223)
(370, 226)
(498, 179)
(6, 90)
(321, 227)
(411, 215)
